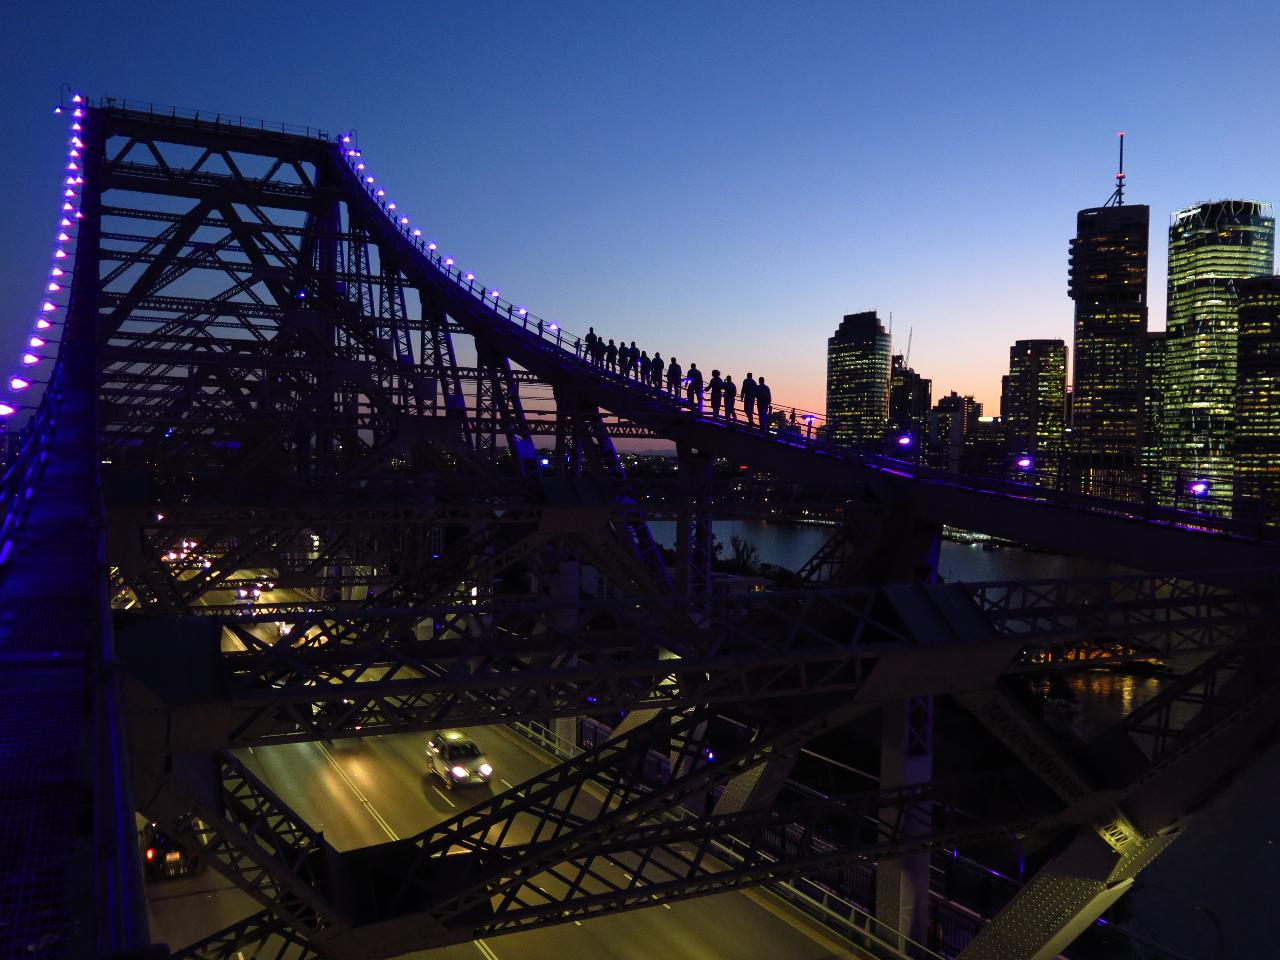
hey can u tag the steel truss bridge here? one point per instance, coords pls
(259, 376)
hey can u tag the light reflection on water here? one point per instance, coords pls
(1100, 697)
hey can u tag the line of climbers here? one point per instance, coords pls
(630, 362)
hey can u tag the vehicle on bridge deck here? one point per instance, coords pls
(456, 759)
(162, 857)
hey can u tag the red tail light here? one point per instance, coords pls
(151, 853)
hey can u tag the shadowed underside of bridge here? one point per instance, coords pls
(346, 490)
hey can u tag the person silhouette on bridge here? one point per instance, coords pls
(597, 351)
(694, 391)
(749, 398)
(655, 371)
(764, 399)
(590, 341)
(645, 367)
(611, 356)
(717, 390)
(633, 354)
(730, 394)
(673, 377)
(623, 356)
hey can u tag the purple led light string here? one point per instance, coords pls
(47, 317)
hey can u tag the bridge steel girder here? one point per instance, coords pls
(308, 376)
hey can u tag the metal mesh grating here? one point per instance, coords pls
(44, 813)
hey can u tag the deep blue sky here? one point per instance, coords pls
(721, 180)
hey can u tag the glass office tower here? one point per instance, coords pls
(858, 381)
(1033, 406)
(910, 396)
(1153, 414)
(1257, 439)
(1212, 246)
(1108, 282)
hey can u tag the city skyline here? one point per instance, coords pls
(706, 205)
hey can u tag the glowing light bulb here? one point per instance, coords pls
(417, 233)
(346, 138)
(43, 324)
(391, 205)
(494, 294)
(65, 222)
(76, 127)
(431, 245)
(35, 342)
(404, 221)
(7, 409)
(522, 311)
(448, 261)
(381, 192)
(368, 179)
(49, 307)
(63, 238)
(77, 99)
(69, 193)
(359, 166)
(471, 276)
(60, 255)
(18, 383)
(53, 287)
(29, 359)
(56, 272)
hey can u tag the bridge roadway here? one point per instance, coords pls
(364, 792)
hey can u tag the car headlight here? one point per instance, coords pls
(459, 772)
(485, 770)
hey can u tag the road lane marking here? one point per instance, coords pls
(485, 950)
(377, 817)
(443, 796)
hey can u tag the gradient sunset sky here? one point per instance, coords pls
(719, 180)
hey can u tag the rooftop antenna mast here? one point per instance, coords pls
(1118, 196)
(906, 361)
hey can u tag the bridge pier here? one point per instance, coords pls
(906, 757)
(694, 542)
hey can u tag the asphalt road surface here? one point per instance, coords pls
(364, 792)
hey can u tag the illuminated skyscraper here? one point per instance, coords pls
(1211, 247)
(910, 396)
(858, 381)
(1153, 412)
(950, 421)
(1108, 282)
(1257, 440)
(1034, 409)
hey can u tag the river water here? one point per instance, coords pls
(1211, 894)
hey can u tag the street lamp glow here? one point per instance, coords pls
(36, 343)
(42, 323)
(7, 409)
(904, 440)
(18, 383)
(30, 359)
(1023, 463)
(1199, 488)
